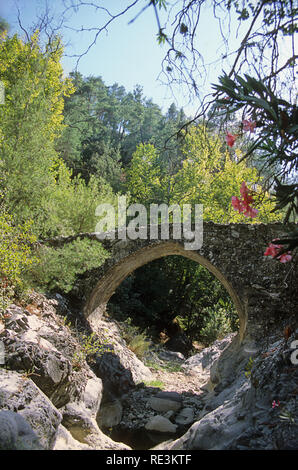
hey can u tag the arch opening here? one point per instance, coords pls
(116, 274)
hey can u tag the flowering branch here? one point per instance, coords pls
(243, 205)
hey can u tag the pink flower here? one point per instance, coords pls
(237, 204)
(244, 204)
(275, 403)
(272, 250)
(251, 212)
(245, 193)
(249, 125)
(285, 257)
(230, 139)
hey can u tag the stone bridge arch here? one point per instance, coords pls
(262, 289)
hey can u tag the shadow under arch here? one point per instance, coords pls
(115, 275)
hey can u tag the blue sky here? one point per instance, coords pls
(129, 54)
(125, 54)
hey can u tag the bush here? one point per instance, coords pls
(58, 268)
(15, 257)
(90, 345)
(139, 345)
(216, 326)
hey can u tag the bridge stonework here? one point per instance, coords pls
(264, 291)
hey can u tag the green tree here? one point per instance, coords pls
(88, 144)
(31, 119)
(15, 256)
(4, 26)
(207, 175)
(36, 184)
(255, 39)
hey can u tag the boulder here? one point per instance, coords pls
(118, 367)
(65, 441)
(19, 394)
(171, 356)
(110, 414)
(163, 405)
(39, 343)
(160, 424)
(203, 361)
(216, 431)
(92, 393)
(16, 433)
(185, 416)
(84, 429)
(165, 401)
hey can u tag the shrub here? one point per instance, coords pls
(89, 346)
(155, 383)
(139, 345)
(15, 256)
(58, 268)
(216, 326)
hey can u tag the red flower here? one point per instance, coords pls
(251, 212)
(237, 204)
(245, 193)
(244, 204)
(275, 403)
(248, 125)
(273, 250)
(230, 139)
(285, 257)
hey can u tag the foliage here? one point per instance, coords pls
(287, 416)
(155, 383)
(189, 293)
(15, 256)
(212, 323)
(105, 124)
(139, 345)
(277, 122)
(137, 341)
(31, 118)
(248, 367)
(69, 203)
(87, 144)
(36, 183)
(90, 345)
(207, 175)
(216, 326)
(57, 268)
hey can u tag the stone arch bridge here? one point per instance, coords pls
(264, 291)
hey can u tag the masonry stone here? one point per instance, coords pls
(262, 289)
